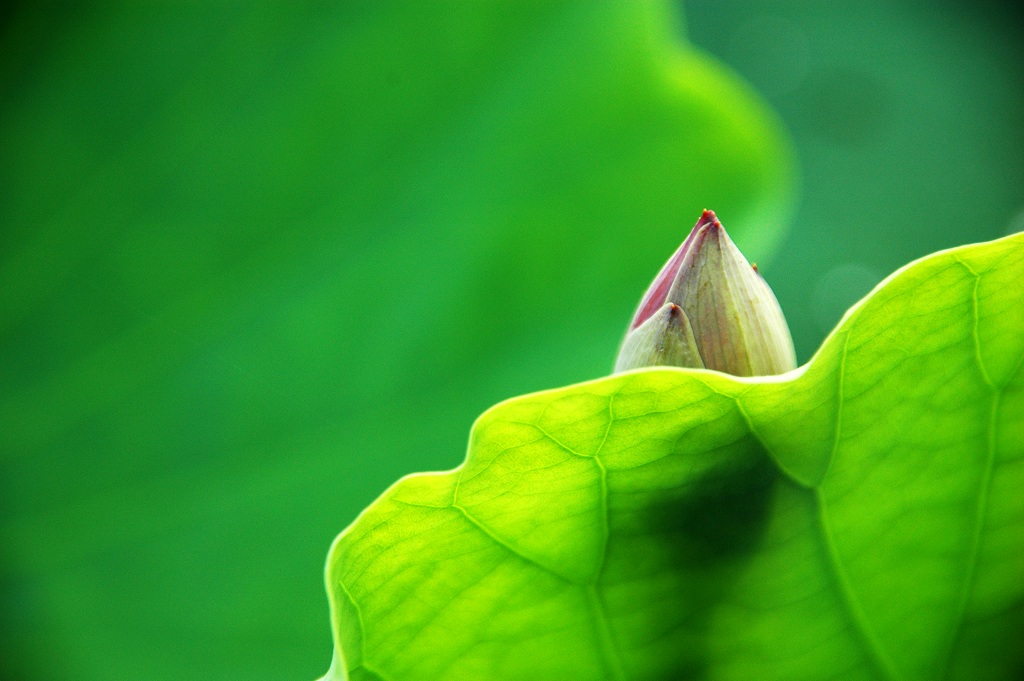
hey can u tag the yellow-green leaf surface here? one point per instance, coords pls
(861, 517)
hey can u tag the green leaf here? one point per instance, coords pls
(861, 517)
(252, 247)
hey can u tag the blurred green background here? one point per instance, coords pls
(259, 261)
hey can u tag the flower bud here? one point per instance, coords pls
(664, 339)
(708, 307)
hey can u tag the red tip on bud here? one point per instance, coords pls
(706, 218)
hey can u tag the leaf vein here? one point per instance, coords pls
(553, 439)
(849, 597)
(509, 547)
(359, 618)
(985, 484)
(610, 651)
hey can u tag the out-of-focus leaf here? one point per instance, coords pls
(858, 518)
(908, 122)
(258, 259)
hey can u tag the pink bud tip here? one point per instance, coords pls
(656, 294)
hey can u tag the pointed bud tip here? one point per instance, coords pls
(674, 315)
(707, 216)
(708, 219)
(665, 339)
(708, 229)
(707, 226)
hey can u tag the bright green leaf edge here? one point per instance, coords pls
(861, 517)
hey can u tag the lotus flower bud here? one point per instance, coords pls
(709, 308)
(665, 339)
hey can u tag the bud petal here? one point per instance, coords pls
(735, 319)
(664, 339)
(656, 293)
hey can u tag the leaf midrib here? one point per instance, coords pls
(849, 598)
(878, 653)
(981, 508)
